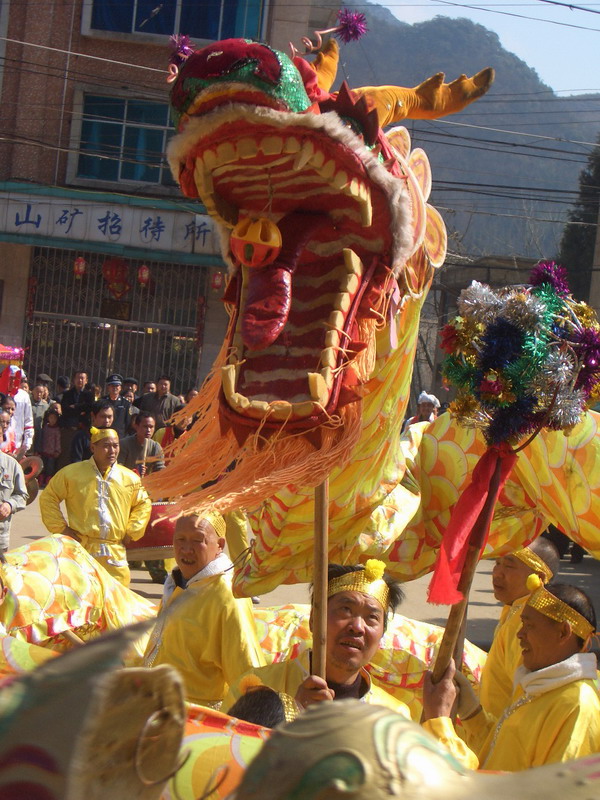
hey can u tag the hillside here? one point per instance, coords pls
(494, 188)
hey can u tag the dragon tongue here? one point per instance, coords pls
(268, 301)
(268, 292)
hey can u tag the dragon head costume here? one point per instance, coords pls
(331, 245)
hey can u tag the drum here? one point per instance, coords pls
(157, 541)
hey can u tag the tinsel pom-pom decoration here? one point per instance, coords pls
(522, 358)
(351, 25)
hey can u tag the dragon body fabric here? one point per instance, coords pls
(313, 378)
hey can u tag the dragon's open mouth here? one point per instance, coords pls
(297, 320)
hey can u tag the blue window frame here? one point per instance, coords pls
(123, 139)
(208, 19)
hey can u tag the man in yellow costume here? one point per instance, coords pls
(359, 602)
(106, 504)
(201, 629)
(509, 581)
(554, 713)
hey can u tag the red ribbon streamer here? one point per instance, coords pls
(469, 523)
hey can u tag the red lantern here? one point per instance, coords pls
(217, 281)
(79, 267)
(255, 242)
(143, 275)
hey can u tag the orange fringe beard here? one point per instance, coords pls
(264, 463)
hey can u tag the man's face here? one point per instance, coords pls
(144, 429)
(114, 390)
(105, 452)
(196, 544)
(162, 387)
(426, 410)
(130, 386)
(9, 406)
(4, 423)
(509, 579)
(539, 637)
(79, 380)
(37, 393)
(104, 418)
(355, 625)
(149, 386)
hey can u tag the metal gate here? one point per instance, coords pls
(75, 323)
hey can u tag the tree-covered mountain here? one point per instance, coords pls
(495, 189)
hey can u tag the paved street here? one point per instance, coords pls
(483, 609)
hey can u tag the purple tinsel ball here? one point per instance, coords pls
(587, 345)
(351, 25)
(552, 273)
(181, 48)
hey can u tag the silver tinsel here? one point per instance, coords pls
(559, 368)
(568, 408)
(480, 301)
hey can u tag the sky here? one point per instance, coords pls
(566, 58)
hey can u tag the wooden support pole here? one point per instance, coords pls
(321, 556)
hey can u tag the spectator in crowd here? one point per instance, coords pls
(96, 391)
(39, 406)
(102, 416)
(50, 443)
(121, 406)
(190, 394)
(21, 425)
(161, 403)
(140, 452)
(149, 386)
(427, 410)
(24, 385)
(130, 383)
(8, 444)
(4, 425)
(13, 496)
(62, 384)
(76, 404)
(105, 502)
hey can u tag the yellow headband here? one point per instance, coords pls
(532, 560)
(217, 521)
(368, 581)
(550, 606)
(102, 433)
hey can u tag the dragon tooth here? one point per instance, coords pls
(340, 179)
(352, 262)
(228, 380)
(226, 153)
(317, 387)
(304, 155)
(209, 157)
(329, 357)
(247, 148)
(318, 159)
(328, 169)
(332, 339)
(366, 208)
(342, 302)
(350, 283)
(336, 320)
(272, 145)
(291, 145)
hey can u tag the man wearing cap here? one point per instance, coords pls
(121, 406)
(131, 383)
(509, 582)
(554, 712)
(427, 410)
(201, 629)
(106, 504)
(359, 602)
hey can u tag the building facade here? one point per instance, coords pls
(103, 264)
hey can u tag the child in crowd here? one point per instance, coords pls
(50, 444)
